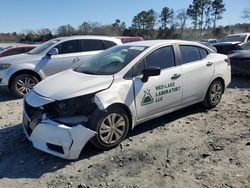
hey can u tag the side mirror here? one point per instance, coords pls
(150, 71)
(53, 51)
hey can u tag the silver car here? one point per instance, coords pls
(22, 72)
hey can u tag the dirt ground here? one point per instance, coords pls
(193, 147)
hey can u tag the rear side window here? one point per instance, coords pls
(91, 45)
(68, 47)
(192, 53)
(189, 54)
(108, 44)
(203, 53)
(162, 58)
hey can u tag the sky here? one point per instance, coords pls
(19, 15)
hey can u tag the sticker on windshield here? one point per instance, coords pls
(147, 98)
(139, 48)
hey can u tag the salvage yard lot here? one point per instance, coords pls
(192, 147)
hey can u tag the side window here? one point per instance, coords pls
(28, 49)
(14, 51)
(203, 53)
(68, 47)
(91, 45)
(108, 44)
(189, 54)
(162, 58)
(138, 68)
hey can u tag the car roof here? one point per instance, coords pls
(151, 43)
(88, 37)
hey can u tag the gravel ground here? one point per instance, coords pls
(192, 147)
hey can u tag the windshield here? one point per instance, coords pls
(110, 61)
(233, 38)
(43, 46)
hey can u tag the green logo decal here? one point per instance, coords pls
(147, 98)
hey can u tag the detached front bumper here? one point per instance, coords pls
(57, 139)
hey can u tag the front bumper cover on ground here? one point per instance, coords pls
(58, 139)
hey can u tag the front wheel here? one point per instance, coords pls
(22, 84)
(214, 94)
(111, 126)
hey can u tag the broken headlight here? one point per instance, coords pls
(71, 111)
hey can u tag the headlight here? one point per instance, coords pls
(4, 66)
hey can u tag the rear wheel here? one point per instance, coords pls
(214, 94)
(22, 84)
(111, 126)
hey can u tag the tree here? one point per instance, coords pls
(87, 28)
(193, 13)
(218, 8)
(181, 19)
(44, 34)
(65, 30)
(166, 17)
(143, 23)
(119, 26)
(197, 12)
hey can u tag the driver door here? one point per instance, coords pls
(159, 93)
(69, 54)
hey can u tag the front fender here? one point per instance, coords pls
(120, 92)
(13, 69)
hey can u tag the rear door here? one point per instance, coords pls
(197, 70)
(161, 92)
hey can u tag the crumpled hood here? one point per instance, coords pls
(20, 58)
(69, 84)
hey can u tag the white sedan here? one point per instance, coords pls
(104, 98)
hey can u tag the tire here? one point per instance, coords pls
(102, 124)
(22, 84)
(214, 94)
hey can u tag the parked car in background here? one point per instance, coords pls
(241, 38)
(22, 72)
(126, 39)
(16, 50)
(126, 85)
(227, 48)
(209, 45)
(240, 61)
(211, 41)
(230, 43)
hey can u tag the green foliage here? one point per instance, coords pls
(166, 17)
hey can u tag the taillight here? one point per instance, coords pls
(228, 61)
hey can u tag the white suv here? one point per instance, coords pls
(22, 72)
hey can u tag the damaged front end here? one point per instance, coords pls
(58, 127)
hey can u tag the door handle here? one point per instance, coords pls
(175, 76)
(209, 64)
